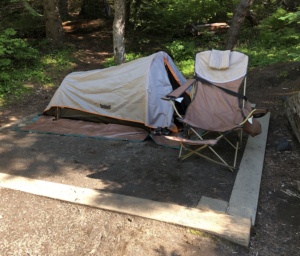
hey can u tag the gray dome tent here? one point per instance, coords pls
(126, 94)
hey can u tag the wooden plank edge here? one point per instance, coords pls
(212, 204)
(245, 194)
(232, 228)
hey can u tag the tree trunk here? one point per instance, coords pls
(119, 32)
(54, 29)
(239, 15)
(293, 113)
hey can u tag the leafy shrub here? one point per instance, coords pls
(15, 53)
(15, 49)
(172, 18)
(23, 16)
(186, 67)
(181, 50)
(276, 39)
(280, 28)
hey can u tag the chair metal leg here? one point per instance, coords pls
(191, 152)
(211, 149)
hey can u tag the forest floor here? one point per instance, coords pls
(33, 225)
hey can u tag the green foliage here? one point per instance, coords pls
(109, 62)
(172, 18)
(15, 54)
(58, 59)
(291, 18)
(211, 41)
(23, 16)
(181, 50)
(261, 56)
(13, 48)
(280, 28)
(277, 39)
(186, 66)
(183, 54)
(20, 64)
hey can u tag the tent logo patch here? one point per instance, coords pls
(105, 106)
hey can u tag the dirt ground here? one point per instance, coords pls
(33, 225)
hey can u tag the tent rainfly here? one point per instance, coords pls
(127, 94)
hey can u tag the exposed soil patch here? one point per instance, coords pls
(32, 225)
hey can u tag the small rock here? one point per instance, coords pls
(283, 145)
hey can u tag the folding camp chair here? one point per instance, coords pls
(218, 106)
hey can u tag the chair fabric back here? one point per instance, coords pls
(212, 108)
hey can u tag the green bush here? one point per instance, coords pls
(15, 54)
(181, 50)
(280, 29)
(15, 49)
(22, 66)
(172, 18)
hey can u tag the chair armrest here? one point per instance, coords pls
(179, 91)
(260, 112)
(167, 97)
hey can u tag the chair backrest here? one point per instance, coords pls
(221, 66)
(217, 105)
